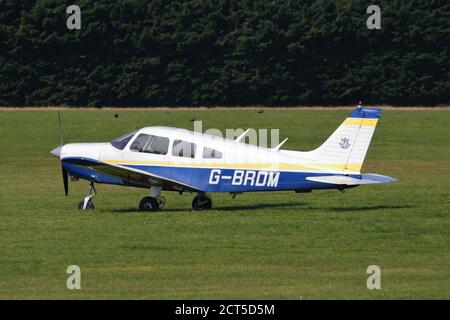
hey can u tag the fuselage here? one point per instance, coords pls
(203, 162)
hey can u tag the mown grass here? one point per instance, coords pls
(258, 246)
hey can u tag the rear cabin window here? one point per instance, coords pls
(150, 144)
(183, 149)
(209, 153)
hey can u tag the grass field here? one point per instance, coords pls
(257, 246)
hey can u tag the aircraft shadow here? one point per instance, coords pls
(369, 208)
(300, 205)
(220, 208)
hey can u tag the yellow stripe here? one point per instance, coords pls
(360, 122)
(349, 168)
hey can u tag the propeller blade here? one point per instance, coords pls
(61, 140)
(65, 175)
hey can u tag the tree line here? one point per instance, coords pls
(219, 52)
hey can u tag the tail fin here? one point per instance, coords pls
(347, 147)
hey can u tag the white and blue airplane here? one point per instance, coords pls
(172, 159)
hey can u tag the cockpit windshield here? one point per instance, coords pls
(121, 142)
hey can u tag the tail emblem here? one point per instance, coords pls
(344, 143)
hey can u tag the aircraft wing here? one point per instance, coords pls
(130, 176)
(370, 178)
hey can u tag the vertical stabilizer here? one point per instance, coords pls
(347, 147)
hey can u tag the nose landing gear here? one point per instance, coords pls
(86, 203)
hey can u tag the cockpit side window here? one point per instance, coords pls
(184, 149)
(140, 142)
(150, 144)
(209, 153)
(121, 142)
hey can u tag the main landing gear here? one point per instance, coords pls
(86, 203)
(202, 202)
(154, 202)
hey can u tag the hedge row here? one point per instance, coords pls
(219, 52)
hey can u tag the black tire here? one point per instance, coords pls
(201, 202)
(149, 204)
(90, 205)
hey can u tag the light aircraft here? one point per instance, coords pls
(172, 159)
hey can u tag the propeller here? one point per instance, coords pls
(65, 175)
(57, 153)
(60, 129)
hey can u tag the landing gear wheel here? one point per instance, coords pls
(202, 202)
(89, 205)
(149, 204)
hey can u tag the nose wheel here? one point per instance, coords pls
(89, 205)
(202, 202)
(86, 203)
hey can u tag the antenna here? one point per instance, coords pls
(60, 129)
(238, 139)
(277, 148)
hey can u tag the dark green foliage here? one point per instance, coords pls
(205, 52)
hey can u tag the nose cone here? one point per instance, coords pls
(56, 152)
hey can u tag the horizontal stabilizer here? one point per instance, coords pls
(370, 178)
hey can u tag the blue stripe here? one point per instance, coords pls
(91, 175)
(199, 178)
